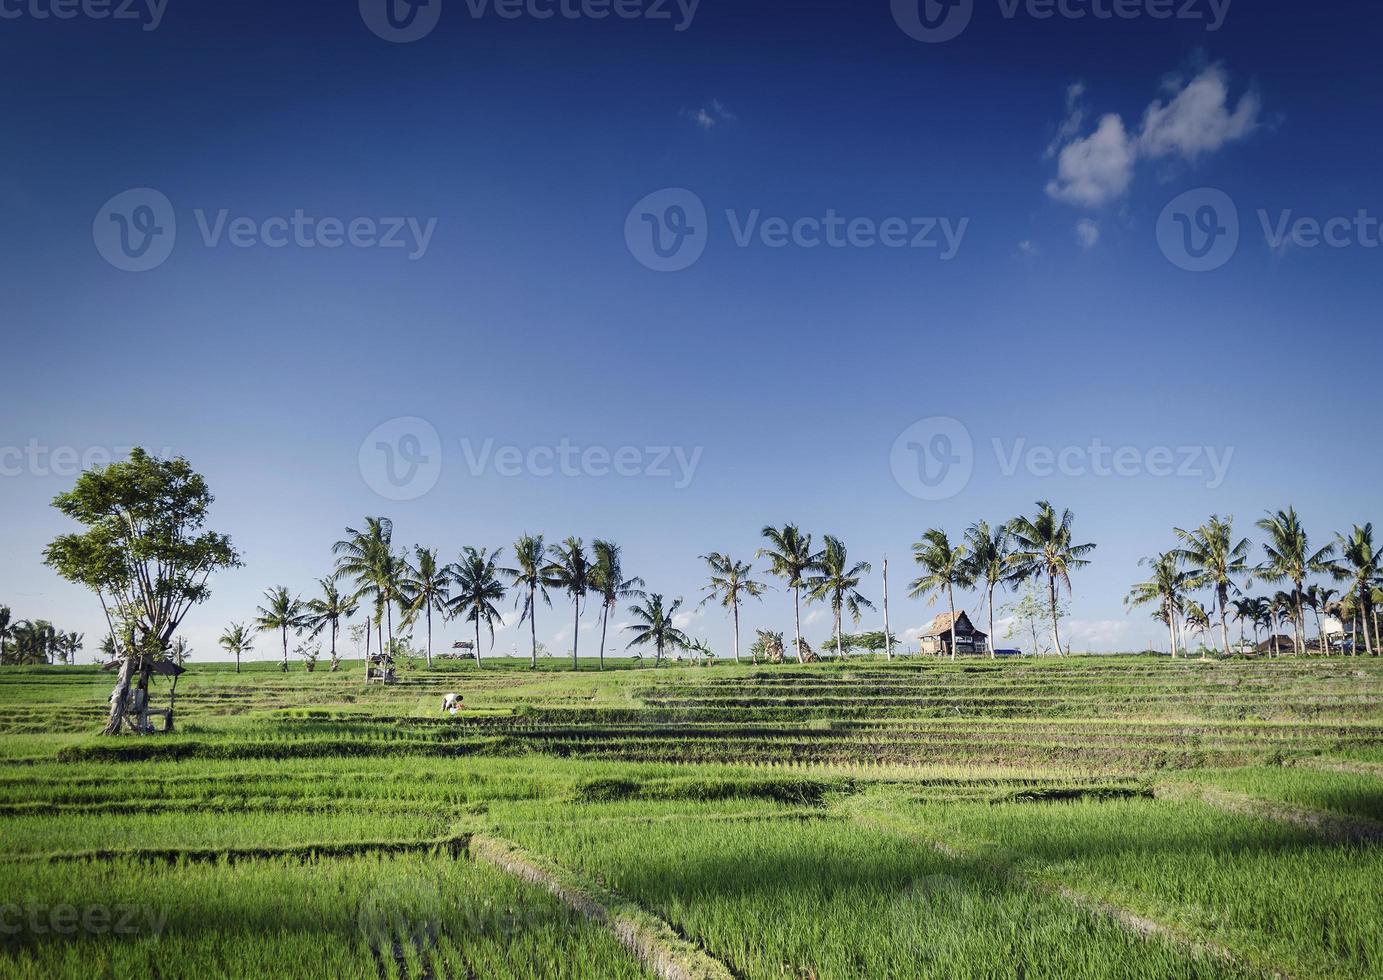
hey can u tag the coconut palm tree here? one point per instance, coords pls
(837, 582)
(731, 581)
(791, 558)
(476, 588)
(570, 570)
(1166, 587)
(609, 583)
(326, 612)
(282, 612)
(423, 587)
(1197, 621)
(179, 650)
(1043, 547)
(237, 640)
(1216, 560)
(654, 624)
(1319, 599)
(947, 566)
(1360, 565)
(1282, 605)
(1290, 559)
(365, 557)
(531, 580)
(1246, 613)
(991, 553)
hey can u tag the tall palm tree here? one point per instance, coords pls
(1282, 605)
(609, 583)
(731, 581)
(837, 582)
(1043, 547)
(570, 570)
(423, 587)
(282, 612)
(1166, 587)
(1246, 613)
(1360, 565)
(1216, 559)
(326, 612)
(365, 557)
(1319, 599)
(991, 554)
(532, 580)
(791, 558)
(946, 566)
(1290, 559)
(476, 589)
(237, 640)
(654, 624)
(1197, 621)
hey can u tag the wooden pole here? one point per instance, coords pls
(888, 637)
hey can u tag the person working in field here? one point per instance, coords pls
(452, 703)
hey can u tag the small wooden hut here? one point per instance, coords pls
(936, 638)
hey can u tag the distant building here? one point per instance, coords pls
(936, 638)
(1277, 645)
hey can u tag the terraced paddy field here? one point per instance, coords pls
(1087, 817)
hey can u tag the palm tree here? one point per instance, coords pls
(1246, 612)
(477, 589)
(991, 553)
(837, 582)
(237, 640)
(1166, 588)
(1215, 559)
(730, 582)
(790, 557)
(1290, 559)
(947, 566)
(570, 570)
(531, 578)
(654, 624)
(327, 611)
(1197, 621)
(1282, 605)
(179, 650)
(283, 612)
(1319, 599)
(424, 587)
(365, 557)
(1361, 564)
(1043, 547)
(608, 582)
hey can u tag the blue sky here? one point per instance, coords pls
(1052, 146)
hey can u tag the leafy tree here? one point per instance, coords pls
(730, 584)
(654, 624)
(791, 558)
(946, 566)
(179, 650)
(608, 582)
(990, 561)
(283, 612)
(837, 582)
(326, 612)
(1216, 559)
(145, 555)
(570, 570)
(423, 587)
(1166, 588)
(476, 588)
(237, 640)
(1290, 559)
(1361, 565)
(1043, 547)
(1027, 611)
(532, 580)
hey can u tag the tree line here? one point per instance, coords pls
(35, 641)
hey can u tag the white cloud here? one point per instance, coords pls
(1028, 247)
(1087, 233)
(710, 115)
(1095, 169)
(1195, 120)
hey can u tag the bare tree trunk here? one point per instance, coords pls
(335, 660)
(735, 614)
(1172, 626)
(797, 621)
(1299, 634)
(604, 622)
(951, 600)
(284, 631)
(1320, 633)
(888, 637)
(1056, 633)
(478, 662)
(575, 629)
(367, 646)
(991, 620)
(840, 655)
(118, 696)
(429, 635)
(533, 622)
(1224, 624)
